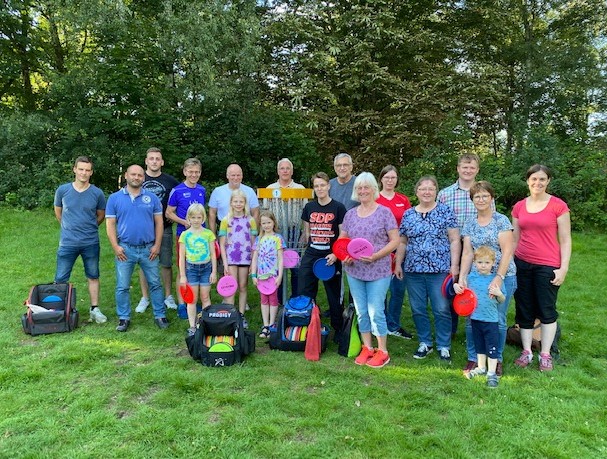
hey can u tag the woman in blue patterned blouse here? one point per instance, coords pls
(492, 229)
(430, 246)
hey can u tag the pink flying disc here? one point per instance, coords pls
(187, 293)
(290, 259)
(360, 247)
(267, 286)
(465, 303)
(227, 286)
(340, 248)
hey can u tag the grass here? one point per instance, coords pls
(98, 393)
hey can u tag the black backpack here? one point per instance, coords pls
(54, 309)
(350, 343)
(220, 339)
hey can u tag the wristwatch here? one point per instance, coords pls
(501, 276)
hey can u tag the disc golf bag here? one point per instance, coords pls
(52, 309)
(220, 339)
(349, 344)
(292, 325)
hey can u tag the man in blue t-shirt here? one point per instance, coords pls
(134, 228)
(181, 198)
(80, 209)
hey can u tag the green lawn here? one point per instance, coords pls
(98, 393)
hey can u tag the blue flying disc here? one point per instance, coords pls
(52, 299)
(322, 270)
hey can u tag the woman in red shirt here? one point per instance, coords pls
(398, 203)
(542, 237)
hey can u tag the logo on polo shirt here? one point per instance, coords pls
(146, 199)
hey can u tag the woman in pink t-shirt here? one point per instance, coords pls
(542, 237)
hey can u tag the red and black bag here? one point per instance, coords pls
(54, 309)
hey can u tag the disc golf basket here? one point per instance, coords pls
(287, 204)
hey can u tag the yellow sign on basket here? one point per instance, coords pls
(285, 193)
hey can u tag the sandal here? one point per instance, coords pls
(265, 332)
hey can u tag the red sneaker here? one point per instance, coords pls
(379, 360)
(470, 365)
(525, 359)
(365, 355)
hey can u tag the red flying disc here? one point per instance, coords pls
(290, 259)
(360, 247)
(267, 286)
(322, 270)
(393, 261)
(187, 293)
(217, 250)
(465, 303)
(340, 248)
(227, 286)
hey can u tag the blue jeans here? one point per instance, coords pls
(395, 303)
(66, 257)
(502, 311)
(124, 271)
(423, 287)
(369, 298)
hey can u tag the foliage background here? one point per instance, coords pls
(413, 84)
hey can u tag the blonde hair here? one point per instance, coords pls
(271, 216)
(484, 252)
(197, 208)
(238, 194)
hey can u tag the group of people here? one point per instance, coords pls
(455, 231)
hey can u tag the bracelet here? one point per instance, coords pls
(253, 276)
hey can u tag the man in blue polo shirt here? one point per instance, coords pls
(134, 228)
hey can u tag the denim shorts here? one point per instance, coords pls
(66, 257)
(198, 274)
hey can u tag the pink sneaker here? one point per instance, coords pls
(545, 362)
(365, 355)
(379, 360)
(524, 359)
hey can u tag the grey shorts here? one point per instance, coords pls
(166, 248)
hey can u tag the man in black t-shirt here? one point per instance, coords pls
(161, 185)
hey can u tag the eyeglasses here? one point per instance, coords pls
(426, 189)
(482, 197)
(342, 166)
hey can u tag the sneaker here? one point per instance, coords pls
(247, 307)
(143, 305)
(245, 324)
(97, 316)
(162, 322)
(492, 381)
(191, 331)
(379, 359)
(365, 355)
(476, 372)
(499, 370)
(524, 359)
(445, 355)
(169, 302)
(545, 362)
(401, 333)
(123, 325)
(471, 365)
(422, 351)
